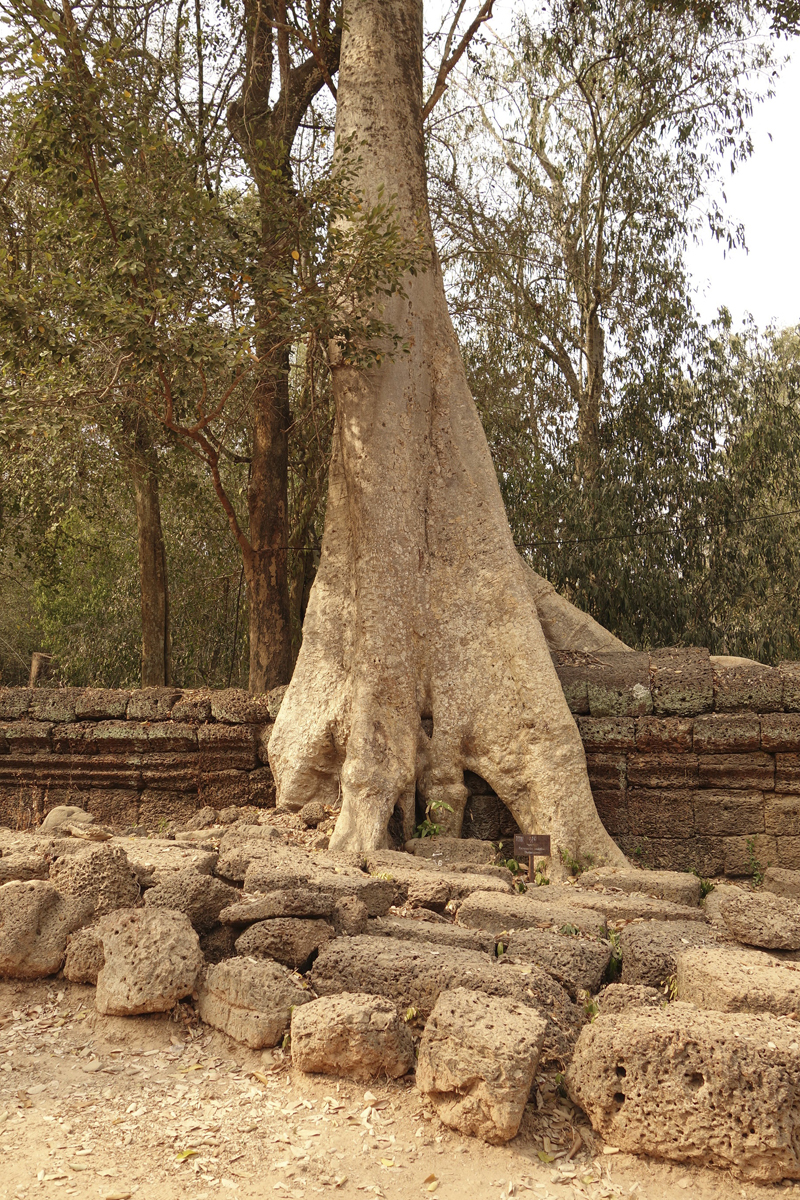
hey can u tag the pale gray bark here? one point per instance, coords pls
(422, 607)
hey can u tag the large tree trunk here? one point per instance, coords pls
(156, 658)
(421, 607)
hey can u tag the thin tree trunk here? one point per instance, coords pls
(421, 608)
(266, 567)
(156, 657)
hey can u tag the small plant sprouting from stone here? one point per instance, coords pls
(755, 867)
(410, 1014)
(575, 866)
(706, 886)
(384, 875)
(589, 1005)
(670, 986)
(614, 968)
(501, 948)
(569, 930)
(428, 826)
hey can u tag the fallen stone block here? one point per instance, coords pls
(763, 919)
(301, 902)
(85, 958)
(356, 1035)
(219, 943)
(782, 882)
(377, 894)
(100, 873)
(201, 897)
(152, 960)
(409, 929)
(288, 940)
(477, 1060)
(650, 949)
(497, 913)
(680, 887)
(152, 859)
(738, 979)
(617, 997)
(250, 1001)
(22, 867)
(35, 921)
(578, 964)
(628, 906)
(453, 850)
(695, 1087)
(413, 974)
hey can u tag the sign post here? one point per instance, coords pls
(530, 845)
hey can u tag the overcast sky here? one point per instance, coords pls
(765, 195)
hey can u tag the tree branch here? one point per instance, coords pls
(440, 87)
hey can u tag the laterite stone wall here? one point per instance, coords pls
(693, 764)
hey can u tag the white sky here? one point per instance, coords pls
(764, 195)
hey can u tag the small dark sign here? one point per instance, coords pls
(527, 845)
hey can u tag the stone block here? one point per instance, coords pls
(453, 850)
(477, 1060)
(573, 675)
(680, 887)
(261, 788)
(233, 706)
(723, 813)
(744, 855)
(151, 961)
(168, 737)
(607, 733)
(607, 772)
(749, 687)
(658, 734)
(170, 772)
(650, 949)
(497, 914)
(619, 997)
(53, 704)
(20, 867)
(660, 813)
(787, 852)
(35, 920)
(413, 929)
(790, 674)
(721, 733)
(110, 737)
(99, 873)
(577, 963)
(85, 959)
(27, 737)
(787, 773)
(228, 747)
(73, 738)
(161, 809)
(618, 685)
(117, 807)
(482, 817)
(153, 859)
(738, 979)
(152, 704)
(681, 681)
(782, 882)
(14, 703)
(706, 855)
(194, 706)
(781, 814)
(289, 940)
(612, 808)
(662, 770)
(220, 789)
(781, 731)
(762, 919)
(359, 1036)
(250, 1001)
(754, 770)
(694, 1087)
(201, 897)
(630, 906)
(98, 704)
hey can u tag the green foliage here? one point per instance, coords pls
(575, 866)
(614, 969)
(427, 826)
(755, 867)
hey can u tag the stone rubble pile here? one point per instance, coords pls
(673, 1018)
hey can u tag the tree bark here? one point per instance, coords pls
(156, 657)
(421, 607)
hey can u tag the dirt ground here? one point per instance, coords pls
(158, 1107)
